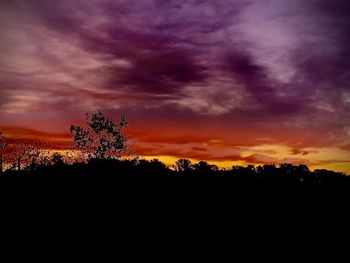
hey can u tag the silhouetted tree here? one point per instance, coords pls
(101, 138)
(268, 173)
(158, 165)
(246, 174)
(57, 159)
(204, 168)
(303, 174)
(3, 146)
(287, 169)
(323, 176)
(45, 153)
(183, 165)
(25, 153)
(151, 168)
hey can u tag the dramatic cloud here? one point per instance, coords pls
(245, 73)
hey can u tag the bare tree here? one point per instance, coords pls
(3, 146)
(25, 153)
(101, 137)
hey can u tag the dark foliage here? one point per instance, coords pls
(101, 137)
(113, 168)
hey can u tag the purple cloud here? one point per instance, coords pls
(249, 65)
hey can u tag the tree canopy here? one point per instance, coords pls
(101, 137)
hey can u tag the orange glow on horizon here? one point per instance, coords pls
(169, 149)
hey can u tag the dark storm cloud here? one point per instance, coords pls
(160, 48)
(244, 69)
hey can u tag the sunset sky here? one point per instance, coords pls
(226, 81)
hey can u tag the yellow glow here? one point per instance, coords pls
(171, 160)
(316, 158)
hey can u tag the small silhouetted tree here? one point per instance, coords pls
(287, 169)
(25, 154)
(205, 168)
(303, 174)
(267, 172)
(183, 165)
(157, 165)
(3, 146)
(57, 159)
(101, 137)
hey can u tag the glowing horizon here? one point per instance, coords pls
(317, 158)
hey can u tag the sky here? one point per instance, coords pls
(232, 82)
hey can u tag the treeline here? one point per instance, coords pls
(100, 144)
(107, 168)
